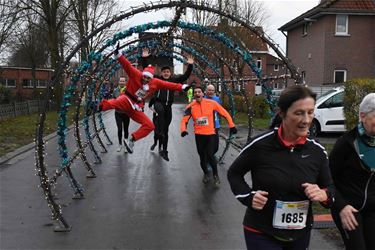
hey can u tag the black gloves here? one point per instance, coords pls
(185, 133)
(233, 131)
(117, 50)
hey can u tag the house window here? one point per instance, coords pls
(339, 76)
(341, 25)
(275, 67)
(303, 75)
(304, 29)
(27, 83)
(275, 85)
(41, 84)
(259, 63)
(239, 87)
(10, 83)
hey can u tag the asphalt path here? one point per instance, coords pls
(137, 201)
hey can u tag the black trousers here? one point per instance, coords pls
(122, 122)
(363, 237)
(206, 146)
(217, 131)
(162, 122)
(258, 241)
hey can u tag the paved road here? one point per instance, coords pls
(138, 201)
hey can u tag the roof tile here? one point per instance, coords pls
(353, 5)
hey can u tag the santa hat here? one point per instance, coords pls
(148, 71)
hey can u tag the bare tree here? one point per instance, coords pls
(252, 12)
(87, 16)
(8, 20)
(29, 49)
(54, 14)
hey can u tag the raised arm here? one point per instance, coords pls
(144, 58)
(130, 70)
(189, 70)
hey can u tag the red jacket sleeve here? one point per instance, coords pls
(167, 85)
(130, 70)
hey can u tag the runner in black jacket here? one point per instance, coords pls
(288, 172)
(352, 163)
(163, 102)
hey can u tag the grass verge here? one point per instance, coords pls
(242, 119)
(19, 131)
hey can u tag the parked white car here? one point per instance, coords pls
(329, 112)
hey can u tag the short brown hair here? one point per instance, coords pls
(292, 94)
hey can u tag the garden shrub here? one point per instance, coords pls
(355, 91)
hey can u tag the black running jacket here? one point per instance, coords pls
(280, 171)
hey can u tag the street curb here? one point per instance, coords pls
(11, 155)
(4, 159)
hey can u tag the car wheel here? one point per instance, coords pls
(314, 128)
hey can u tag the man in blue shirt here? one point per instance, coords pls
(211, 94)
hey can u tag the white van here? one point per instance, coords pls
(329, 112)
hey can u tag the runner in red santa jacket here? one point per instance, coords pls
(140, 85)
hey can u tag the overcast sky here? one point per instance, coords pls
(283, 11)
(279, 11)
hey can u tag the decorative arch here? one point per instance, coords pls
(87, 72)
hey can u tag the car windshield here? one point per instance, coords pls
(326, 93)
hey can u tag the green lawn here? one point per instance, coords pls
(242, 119)
(19, 131)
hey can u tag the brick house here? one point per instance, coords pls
(19, 80)
(272, 67)
(333, 42)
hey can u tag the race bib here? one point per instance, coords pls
(290, 214)
(141, 93)
(202, 121)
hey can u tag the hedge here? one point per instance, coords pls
(355, 91)
(261, 107)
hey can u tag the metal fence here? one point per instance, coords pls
(20, 108)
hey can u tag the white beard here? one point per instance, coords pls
(146, 87)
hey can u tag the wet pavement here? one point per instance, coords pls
(137, 201)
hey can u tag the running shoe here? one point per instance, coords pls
(206, 179)
(216, 180)
(119, 148)
(129, 145)
(153, 146)
(164, 155)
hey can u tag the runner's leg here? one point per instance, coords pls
(119, 127)
(369, 228)
(210, 146)
(168, 120)
(125, 122)
(256, 241)
(146, 124)
(200, 141)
